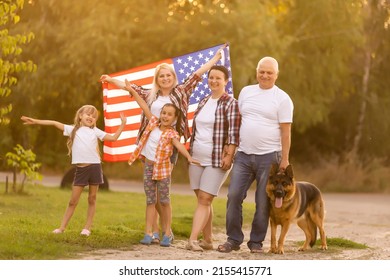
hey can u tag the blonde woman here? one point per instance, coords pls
(165, 89)
(83, 147)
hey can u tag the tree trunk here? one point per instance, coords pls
(352, 154)
(14, 180)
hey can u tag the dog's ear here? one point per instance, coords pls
(289, 171)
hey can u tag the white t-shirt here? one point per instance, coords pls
(150, 148)
(203, 143)
(262, 112)
(158, 104)
(85, 147)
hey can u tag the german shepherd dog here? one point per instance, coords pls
(291, 201)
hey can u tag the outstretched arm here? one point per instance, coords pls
(144, 106)
(115, 136)
(30, 121)
(182, 149)
(107, 79)
(206, 67)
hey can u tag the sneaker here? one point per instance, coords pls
(147, 240)
(172, 235)
(193, 245)
(57, 231)
(85, 232)
(166, 241)
(156, 238)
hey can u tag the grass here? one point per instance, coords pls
(343, 243)
(26, 222)
(337, 243)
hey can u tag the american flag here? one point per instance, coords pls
(117, 100)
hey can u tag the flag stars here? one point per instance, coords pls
(188, 64)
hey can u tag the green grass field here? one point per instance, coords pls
(27, 220)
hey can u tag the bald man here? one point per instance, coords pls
(265, 138)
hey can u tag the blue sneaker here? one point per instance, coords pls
(172, 235)
(166, 242)
(147, 240)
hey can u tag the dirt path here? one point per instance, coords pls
(363, 218)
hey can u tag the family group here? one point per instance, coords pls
(240, 137)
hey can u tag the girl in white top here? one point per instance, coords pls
(83, 146)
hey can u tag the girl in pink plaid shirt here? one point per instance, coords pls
(155, 147)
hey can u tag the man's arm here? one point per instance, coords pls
(285, 130)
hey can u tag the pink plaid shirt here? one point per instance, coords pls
(162, 163)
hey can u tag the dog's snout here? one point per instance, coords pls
(279, 193)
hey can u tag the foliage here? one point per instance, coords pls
(23, 162)
(320, 46)
(11, 48)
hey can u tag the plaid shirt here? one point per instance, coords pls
(180, 97)
(162, 164)
(226, 126)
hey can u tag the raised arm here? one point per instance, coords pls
(107, 79)
(144, 106)
(206, 67)
(115, 136)
(30, 121)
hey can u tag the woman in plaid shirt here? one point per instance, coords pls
(155, 148)
(166, 89)
(213, 143)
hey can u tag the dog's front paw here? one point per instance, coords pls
(272, 250)
(324, 247)
(280, 251)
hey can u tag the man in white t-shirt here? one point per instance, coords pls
(265, 138)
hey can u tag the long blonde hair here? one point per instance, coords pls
(88, 109)
(155, 87)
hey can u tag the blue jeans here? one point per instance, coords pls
(246, 169)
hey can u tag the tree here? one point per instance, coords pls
(376, 18)
(11, 48)
(23, 162)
